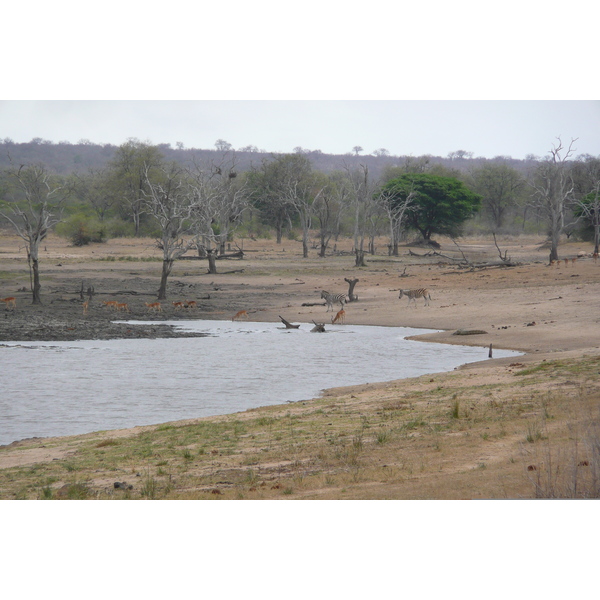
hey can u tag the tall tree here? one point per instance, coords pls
(361, 187)
(167, 199)
(440, 204)
(299, 188)
(396, 204)
(133, 163)
(500, 187)
(219, 197)
(554, 191)
(35, 205)
(328, 208)
(269, 188)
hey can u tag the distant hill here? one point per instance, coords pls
(64, 158)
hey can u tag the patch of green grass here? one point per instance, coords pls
(543, 366)
(455, 411)
(108, 442)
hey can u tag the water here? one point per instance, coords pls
(68, 388)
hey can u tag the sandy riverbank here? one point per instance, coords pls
(550, 313)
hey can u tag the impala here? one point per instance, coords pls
(339, 318)
(10, 301)
(242, 314)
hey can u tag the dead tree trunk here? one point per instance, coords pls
(351, 283)
(287, 324)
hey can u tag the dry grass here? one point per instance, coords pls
(429, 437)
(490, 431)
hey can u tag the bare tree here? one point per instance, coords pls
(361, 189)
(328, 209)
(553, 192)
(219, 198)
(35, 208)
(396, 209)
(167, 199)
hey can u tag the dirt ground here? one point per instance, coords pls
(551, 313)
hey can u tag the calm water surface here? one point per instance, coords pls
(68, 388)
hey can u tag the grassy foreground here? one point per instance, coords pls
(529, 431)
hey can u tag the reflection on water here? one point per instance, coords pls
(67, 388)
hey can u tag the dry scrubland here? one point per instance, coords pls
(508, 428)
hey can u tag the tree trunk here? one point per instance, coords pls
(212, 262)
(351, 284)
(35, 267)
(166, 271)
(360, 258)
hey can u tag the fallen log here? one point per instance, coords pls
(469, 332)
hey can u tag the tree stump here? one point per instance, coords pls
(351, 283)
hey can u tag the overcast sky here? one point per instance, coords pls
(486, 128)
(427, 79)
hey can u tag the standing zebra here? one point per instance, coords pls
(414, 294)
(331, 299)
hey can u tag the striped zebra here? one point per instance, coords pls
(332, 299)
(414, 294)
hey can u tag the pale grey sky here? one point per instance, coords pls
(427, 79)
(486, 128)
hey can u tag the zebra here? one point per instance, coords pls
(331, 299)
(414, 294)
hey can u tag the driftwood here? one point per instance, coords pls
(313, 304)
(287, 324)
(318, 328)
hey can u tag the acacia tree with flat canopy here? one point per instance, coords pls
(440, 204)
(37, 199)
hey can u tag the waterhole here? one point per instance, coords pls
(69, 388)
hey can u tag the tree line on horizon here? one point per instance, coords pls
(205, 201)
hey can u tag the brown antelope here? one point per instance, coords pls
(339, 318)
(123, 306)
(155, 306)
(85, 307)
(10, 301)
(190, 304)
(110, 303)
(242, 314)
(178, 305)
